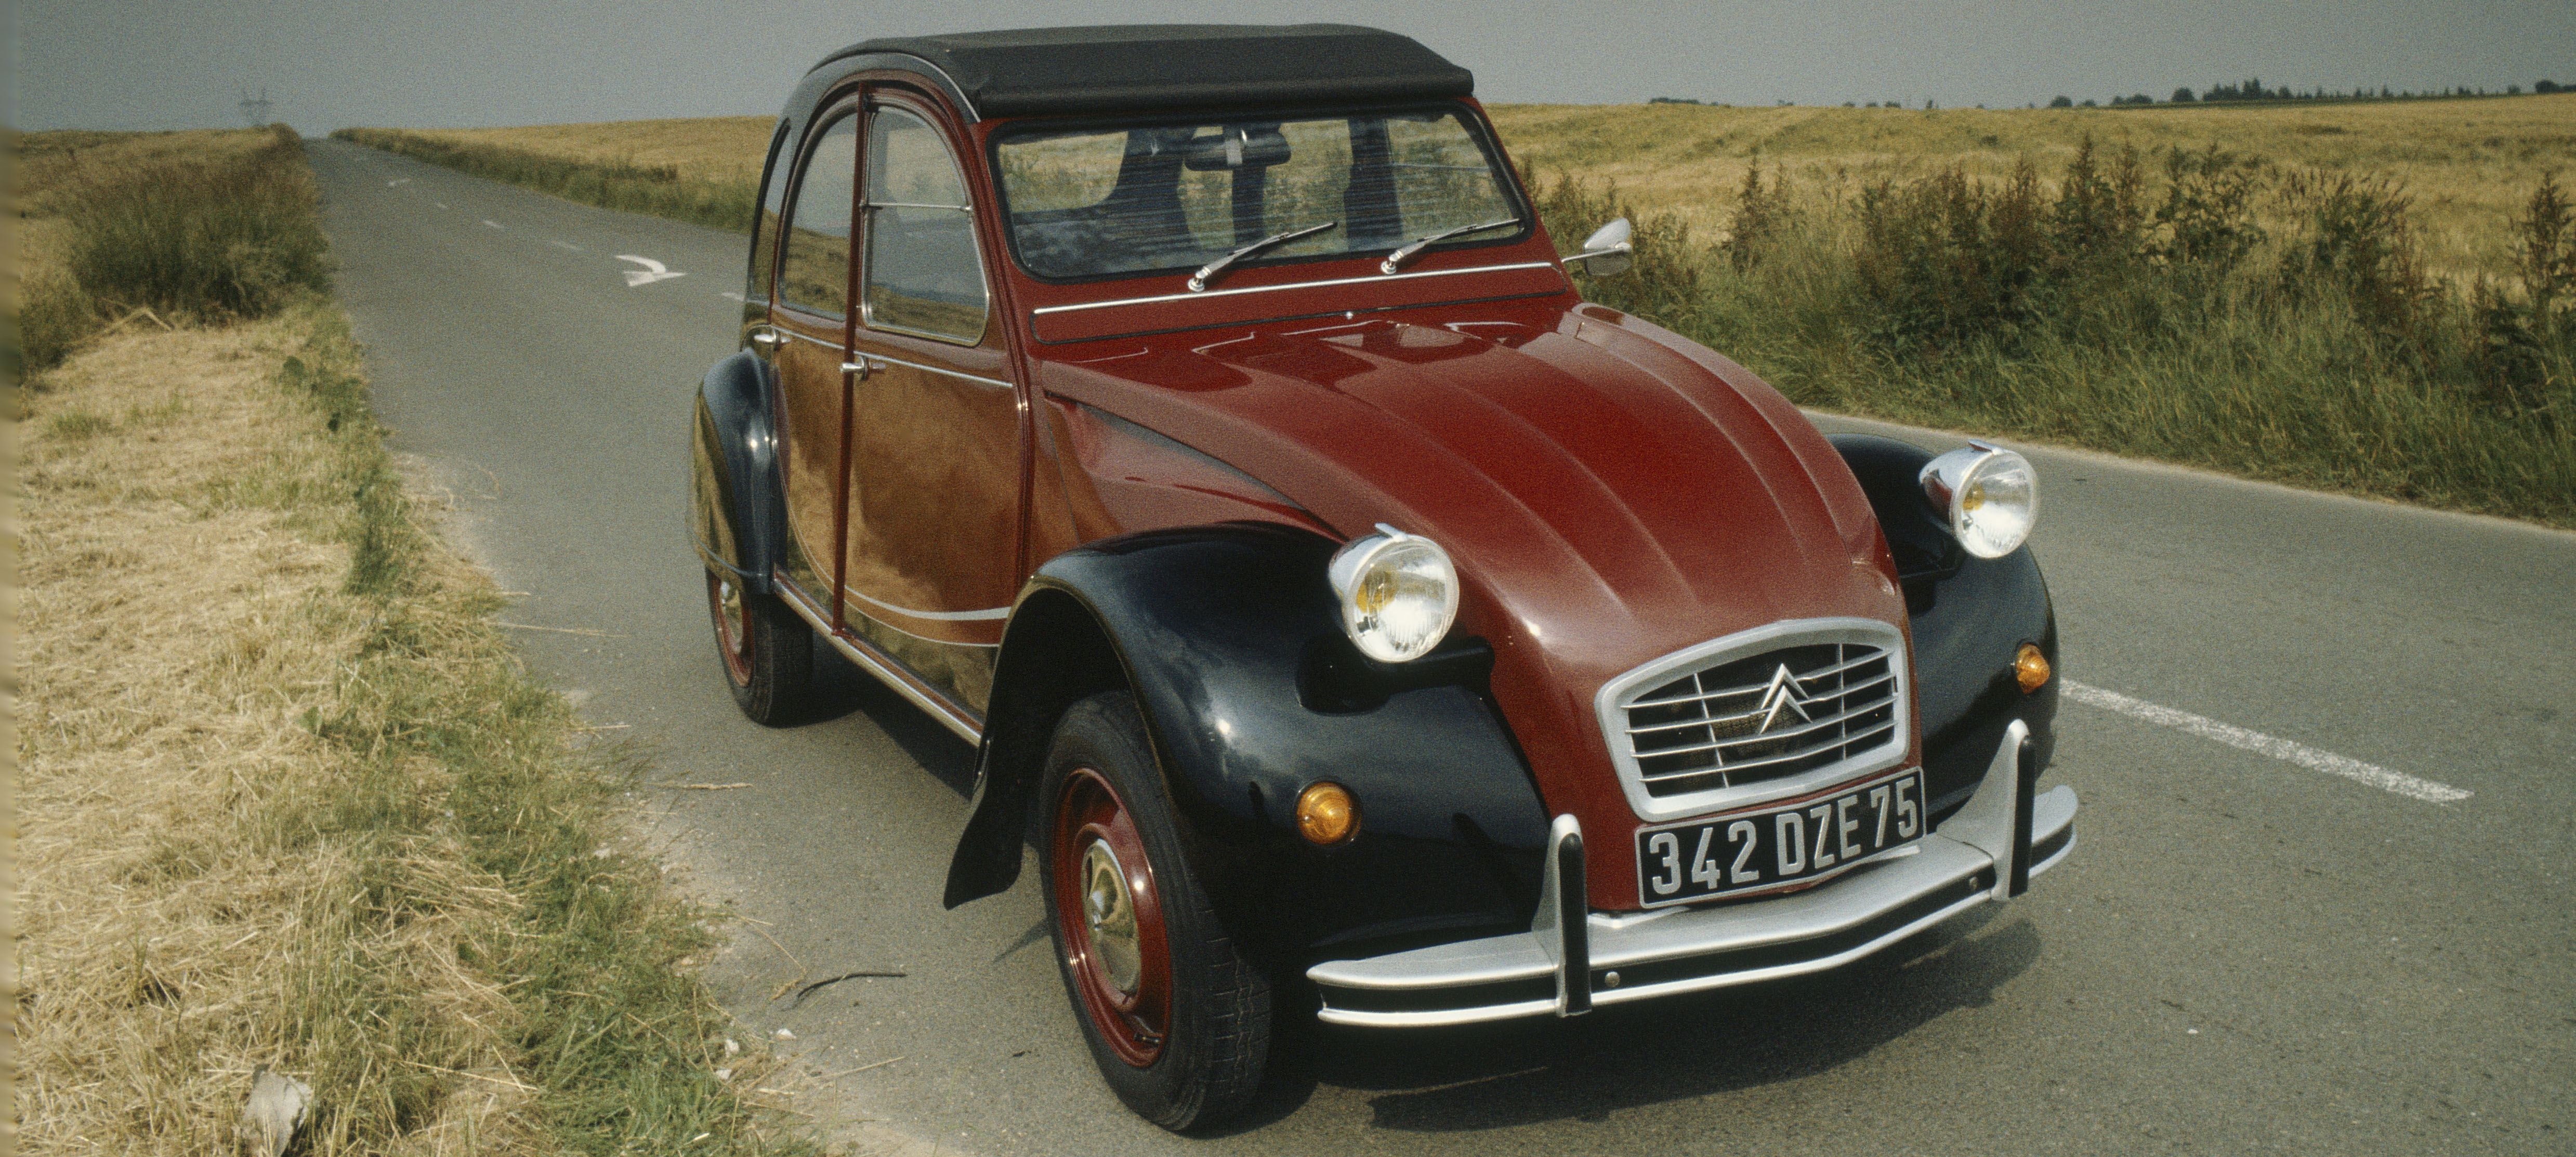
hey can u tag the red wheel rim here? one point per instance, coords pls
(732, 613)
(1114, 944)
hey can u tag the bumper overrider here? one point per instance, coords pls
(1572, 959)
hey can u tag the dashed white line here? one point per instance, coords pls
(398, 181)
(440, 204)
(730, 295)
(493, 223)
(2255, 741)
(565, 245)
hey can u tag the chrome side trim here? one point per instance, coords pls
(1611, 709)
(987, 615)
(954, 717)
(1372, 279)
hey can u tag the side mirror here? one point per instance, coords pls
(1606, 253)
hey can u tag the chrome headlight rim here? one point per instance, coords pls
(1349, 571)
(1953, 484)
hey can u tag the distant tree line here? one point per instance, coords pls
(2252, 89)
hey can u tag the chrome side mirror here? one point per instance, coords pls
(1606, 253)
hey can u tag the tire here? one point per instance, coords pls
(1177, 1019)
(767, 652)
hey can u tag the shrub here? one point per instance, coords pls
(2062, 102)
(230, 238)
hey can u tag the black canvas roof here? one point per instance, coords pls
(1138, 67)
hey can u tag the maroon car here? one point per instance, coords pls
(1198, 420)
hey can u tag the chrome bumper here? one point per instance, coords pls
(1572, 959)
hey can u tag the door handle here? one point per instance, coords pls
(767, 336)
(862, 367)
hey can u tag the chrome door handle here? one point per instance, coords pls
(768, 336)
(862, 367)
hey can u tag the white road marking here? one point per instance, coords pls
(651, 272)
(565, 245)
(2255, 741)
(440, 204)
(493, 223)
(402, 181)
(730, 295)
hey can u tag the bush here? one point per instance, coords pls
(206, 239)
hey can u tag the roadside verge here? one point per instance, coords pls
(289, 799)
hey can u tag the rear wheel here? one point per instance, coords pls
(1178, 1021)
(768, 652)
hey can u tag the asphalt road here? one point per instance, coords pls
(2245, 954)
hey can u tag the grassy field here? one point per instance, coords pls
(285, 795)
(2377, 298)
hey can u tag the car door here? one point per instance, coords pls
(809, 326)
(932, 551)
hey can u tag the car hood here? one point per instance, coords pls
(1611, 491)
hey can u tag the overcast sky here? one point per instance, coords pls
(149, 64)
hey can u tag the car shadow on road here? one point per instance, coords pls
(1525, 1073)
(842, 690)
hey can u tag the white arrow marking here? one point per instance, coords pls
(651, 272)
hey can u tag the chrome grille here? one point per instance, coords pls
(1778, 707)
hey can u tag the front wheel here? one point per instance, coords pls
(1178, 1021)
(768, 652)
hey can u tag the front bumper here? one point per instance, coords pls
(1572, 959)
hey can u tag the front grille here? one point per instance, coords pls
(1777, 714)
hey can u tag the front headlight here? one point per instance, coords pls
(1399, 593)
(1989, 494)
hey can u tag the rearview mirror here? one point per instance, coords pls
(1607, 252)
(1236, 147)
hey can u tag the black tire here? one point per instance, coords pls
(1214, 1036)
(765, 651)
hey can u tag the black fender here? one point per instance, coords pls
(1970, 618)
(737, 501)
(1229, 638)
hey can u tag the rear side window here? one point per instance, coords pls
(923, 274)
(814, 270)
(764, 229)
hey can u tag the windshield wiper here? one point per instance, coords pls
(1208, 272)
(1396, 260)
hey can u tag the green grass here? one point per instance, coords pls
(2137, 306)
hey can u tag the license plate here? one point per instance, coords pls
(1759, 850)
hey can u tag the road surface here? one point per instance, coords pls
(2263, 943)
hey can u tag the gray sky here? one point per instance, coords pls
(142, 64)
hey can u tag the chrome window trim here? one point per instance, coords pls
(1206, 295)
(983, 277)
(979, 379)
(1610, 708)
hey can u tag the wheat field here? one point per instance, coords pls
(2469, 164)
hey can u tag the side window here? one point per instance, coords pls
(923, 275)
(814, 272)
(764, 228)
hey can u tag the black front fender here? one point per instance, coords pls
(737, 505)
(1970, 617)
(1229, 639)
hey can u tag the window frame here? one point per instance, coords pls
(1478, 129)
(865, 209)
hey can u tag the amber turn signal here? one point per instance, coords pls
(1326, 813)
(2030, 669)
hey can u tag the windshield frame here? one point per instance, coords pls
(1478, 130)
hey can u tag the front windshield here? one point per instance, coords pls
(1127, 199)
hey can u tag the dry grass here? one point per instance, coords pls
(700, 149)
(2470, 164)
(180, 920)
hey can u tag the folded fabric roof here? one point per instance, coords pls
(1143, 67)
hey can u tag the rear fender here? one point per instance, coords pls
(737, 509)
(1228, 637)
(1970, 617)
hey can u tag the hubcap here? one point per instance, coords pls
(1110, 917)
(733, 628)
